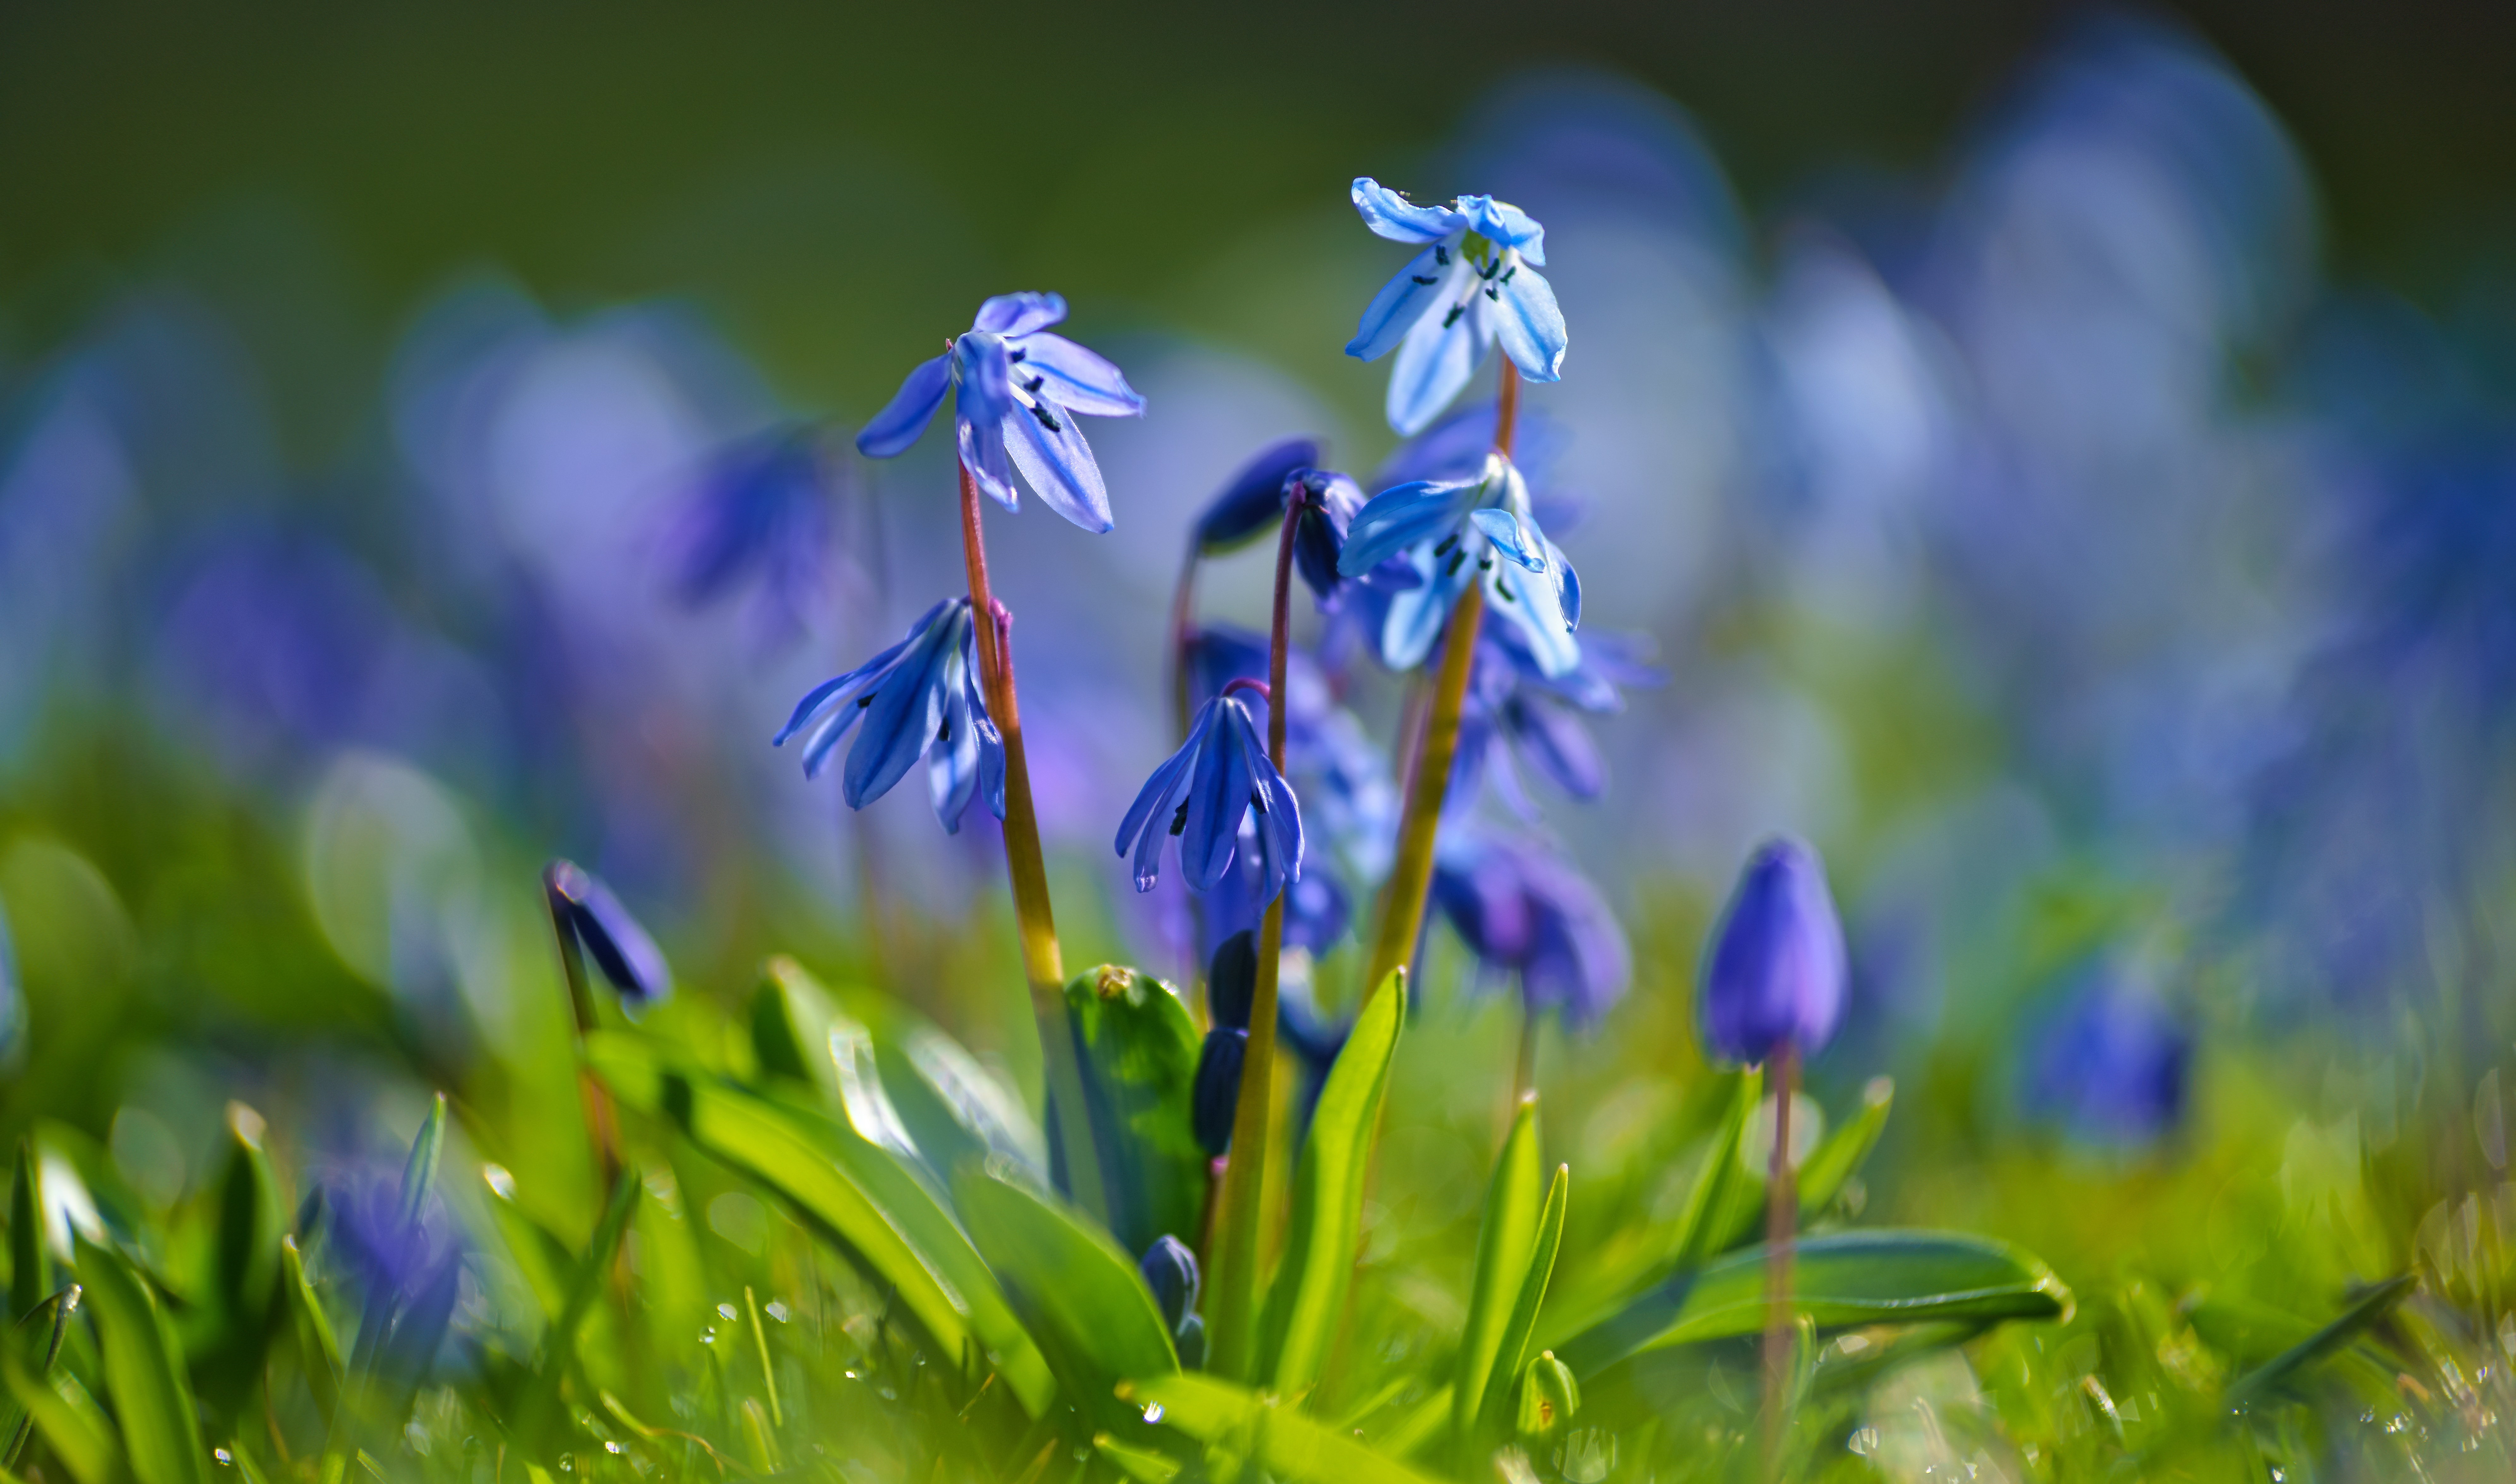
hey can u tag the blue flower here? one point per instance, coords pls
(1018, 389)
(1777, 970)
(1456, 532)
(1217, 778)
(1334, 764)
(1514, 711)
(760, 510)
(1523, 910)
(1170, 1273)
(1254, 502)
(605, 932)
(2113, 1063)
(1475, 282)
(920, 698)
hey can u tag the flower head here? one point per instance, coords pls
(1462, 532)
(605, 932)
(920, 698)
(1254, 502)
(1475, 284)
(758, 512)
(2111, 1063)
(1776, 974)
(1219, 776)
(1523, 910)
(1018, 389)
(1518, 716)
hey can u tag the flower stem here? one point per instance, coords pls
(1401, 914)
(1781, 1213)
(1042, 964)
(601, 1130)
(1237, 1259)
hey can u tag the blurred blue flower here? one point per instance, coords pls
(1232, 979)
(407, 1273)
(1254, 502)
(759, 512)
(12, 996)
(1455, 448)
(1523, 910)
(1018, 389)
(1216, 1093)
(2111, 1063)
(1219, 776)
(605, 932)
(1451, 531)
(1516, 711)
(918, 699)
(1777, 970)
(1170, 1272)
(1475, 282)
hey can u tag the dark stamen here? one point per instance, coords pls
(864, 700)
(1447, 542)
(1506, 278)
(1258, 802)
(943, 733)
(1016, 354)
(1179, 820)
(1493, 291)
(1045, 421)
(1426, 278)
(1453, 317)
(1488, 271)
(1440, 255)
(1453, 570)
(1485, 564)
(1034, 384)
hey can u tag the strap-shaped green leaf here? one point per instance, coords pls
(1840, 1155)
(1837, 1281)
(1138, 1048)
(2343, 1332)
(1085, 1301)
(1505, 1240)
(1280, 1440)
(73, 1426)
(1513, 1350)
(318, 1348)
(1309, 1292)
(144, 1372)
(861, 1198)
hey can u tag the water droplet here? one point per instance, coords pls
(1152, 1412)
(224, 1456)
(613, 1448)
(727, 1310)
(777, 1310)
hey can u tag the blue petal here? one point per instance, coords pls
(1282, 828)
(1057, 465)
(1159, 787)
(904, 419)
(1528, 601)
(986, 377)
(1559, 745)
(906, 711)
(1439, 356)
(952, 763)
(1567, 586)
(1503, 529)
(1503, 222)
(1527, 322)
(1394, 520)
(1254, 501)
(1019, 313)
(1218, 797)
(838, 692)
(826, 738)
(1077, 378)
(1416, 616)
(982, 453)
(1437, 275)
(1391, 215)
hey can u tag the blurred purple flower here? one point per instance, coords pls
(1254, 502)
(2113, 1064)
(757, 513)
(1776, 974)
(605, 932)
(1523, 910)
(1516, 712)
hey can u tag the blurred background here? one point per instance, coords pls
(2065, 460)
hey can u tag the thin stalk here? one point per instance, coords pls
(1523, 1079)
(1245, 1179)
(1401, 914)
(1042, 964)
(1782, 1224)
(601, 1127)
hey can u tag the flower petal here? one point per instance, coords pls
(1433, 277)
(1504, 223)
(904, 716)
(1416, 616)
(1394, 520)
(1391, 215)
(1558, 743)
(1528, 601)
(1527, 322)
(1057, 465)
(952, 762)
(1439, 355)
(904, 419)
(1076, 378)
(826, 738)
(1149, 798)
(1521, 544)
(1254, 502)
(1019, 313)
(1567, 585)
(1219, 792)
(838, 692)
(982, 453)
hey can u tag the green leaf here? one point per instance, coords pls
(1308, 1296)
(1839, 1157)
(1280, 1440)
(1082, 1295)
(35, 1343)
(74, 1427)
(1514, 1349)
(1728, 1197)
(953, 1108)
(2277, 1373)
(1138, 1048)
(27, 1274)
(251, 1220)
(799, 1033)
(419, 1171)
(318, 1349)
(1506, 1241)
(1841, 1280)
(861, 1197)
(1143, 1465)
(143, 1371)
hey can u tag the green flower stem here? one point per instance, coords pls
(1781, 1223)
(1402, 909)
(1042, 964)
(1236, 1258)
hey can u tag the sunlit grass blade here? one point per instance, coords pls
(73, 1427)
(860, 1198)
(1845, 1279)
(419, 1171)
(1513, 1349)
(1727, 1193)
(2275, 1374)
(955, 1108)
(27, 1274)
(1140, 1466)
(318, 1348)
(245, 1267)
(1260, 1429)
(1839, 1155)
(144, 1372)
(1082, 1295)
(1506, 1241)
(1138, 1051)
(1309, 1291)
(34, 1342)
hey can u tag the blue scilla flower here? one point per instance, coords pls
(1457, 533)
(1256, 500)
(757, 513)
(1353, 803)
(2111, 1063)
(1775, 975)
(918, 699)
(605, 932)
(1518, 716)
(1219, 778)
(1476, 283)
(1252, 503)
(1019, 390)
(1523, 910)
(1170, 1273)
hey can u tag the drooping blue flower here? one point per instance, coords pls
(1776, 971)
(1019, 388)
(1219, 776)
(1350, 801)
(1254, 502)
(920, 698)
(1475, 284)
(620, 950)
(758, 512)
(2113, 1063)
(1457, 533)
(1516, 714)
(1521, 909)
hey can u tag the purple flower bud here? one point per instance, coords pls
(1775, 973)
(618, 948)
(1253, 503)
(1217, 1094)
(1231, 980)
(1170, 1271)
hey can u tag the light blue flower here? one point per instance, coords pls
(1019, 387)
(920, 698)
(1476, 283)
(1218, 778)
(1456, 532)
